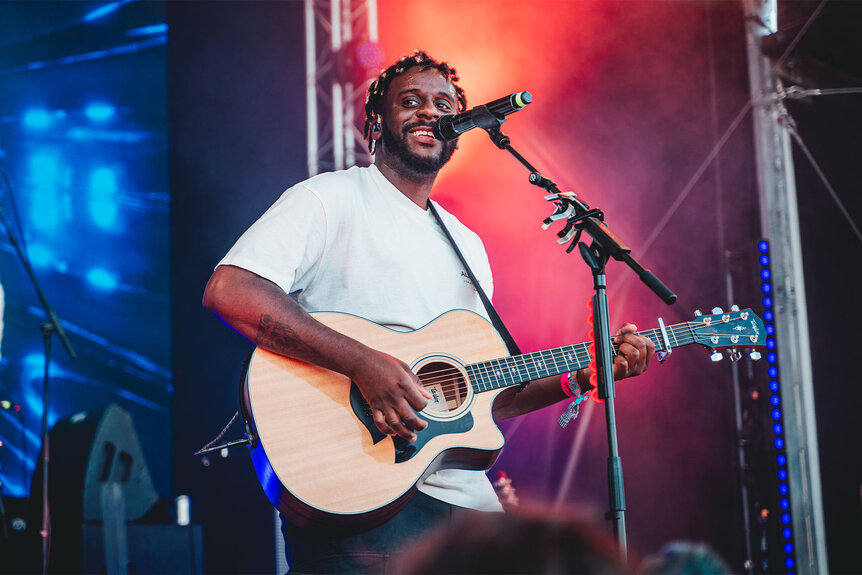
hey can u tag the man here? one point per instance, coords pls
(363, 241)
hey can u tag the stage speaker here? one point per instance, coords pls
(88, 452)
(92, 448)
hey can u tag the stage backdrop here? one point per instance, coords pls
(630, 100)
(639, 107)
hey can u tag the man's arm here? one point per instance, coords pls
(268, 317)
(635, 353)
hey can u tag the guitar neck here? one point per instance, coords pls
(518, 369)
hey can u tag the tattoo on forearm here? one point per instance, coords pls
(281, 338)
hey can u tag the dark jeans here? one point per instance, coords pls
(371, 551)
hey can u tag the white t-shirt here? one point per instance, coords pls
(351, 242)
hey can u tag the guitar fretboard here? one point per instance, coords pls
(518, 369)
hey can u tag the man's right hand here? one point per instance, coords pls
(394, 394)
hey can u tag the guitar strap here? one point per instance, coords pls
(492, 313)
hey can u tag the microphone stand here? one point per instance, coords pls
(604, 246)
(50, 327)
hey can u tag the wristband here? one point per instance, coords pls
(569, 383)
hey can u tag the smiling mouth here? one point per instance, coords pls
(423, 134)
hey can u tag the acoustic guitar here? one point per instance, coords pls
(321, 460)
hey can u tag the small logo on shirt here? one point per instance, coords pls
(467, 280)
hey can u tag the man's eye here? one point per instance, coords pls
(444, 107)
(410, 102)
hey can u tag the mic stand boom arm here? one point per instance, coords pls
(604, 246)
(584, 218)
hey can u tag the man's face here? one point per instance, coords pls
(413, 101)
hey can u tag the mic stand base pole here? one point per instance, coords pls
(605, 366)
(45, 532)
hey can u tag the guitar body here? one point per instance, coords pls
(319, 457)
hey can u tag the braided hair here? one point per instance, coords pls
(378, 88)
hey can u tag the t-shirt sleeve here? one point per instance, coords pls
(285, 245)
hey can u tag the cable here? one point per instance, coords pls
(798, 37)
(791, 129)
(206, 448)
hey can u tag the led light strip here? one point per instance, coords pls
(775, 410)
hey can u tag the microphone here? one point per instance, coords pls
(451, 126)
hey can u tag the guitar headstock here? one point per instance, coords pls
(729, 330)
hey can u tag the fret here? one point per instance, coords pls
(655, 337)
(566, 357)
(511, 376)
(473, 375)
(530, 365)
(493, 372)
(540, 365)
(487, 376)
(673, 334)
(524, 372)
(514, 371)
(556, 366)
(481, 377)
(570, 357)
(500, 373)
(580, 350)
(584, 347)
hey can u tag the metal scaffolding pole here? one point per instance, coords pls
(780, 226)
(335, 88)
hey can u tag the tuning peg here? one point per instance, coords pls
(716, 355)
(697, 313)
(734, 354)
(734, 308)
(717, 310)
(754, 355)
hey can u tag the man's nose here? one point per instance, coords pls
(429, 110)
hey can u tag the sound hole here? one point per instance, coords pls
(446, 384)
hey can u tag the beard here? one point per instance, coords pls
(398, 147)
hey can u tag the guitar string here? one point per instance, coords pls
(546, 356)
(580, 351)
(552, 355)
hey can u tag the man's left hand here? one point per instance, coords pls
(635, 352)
